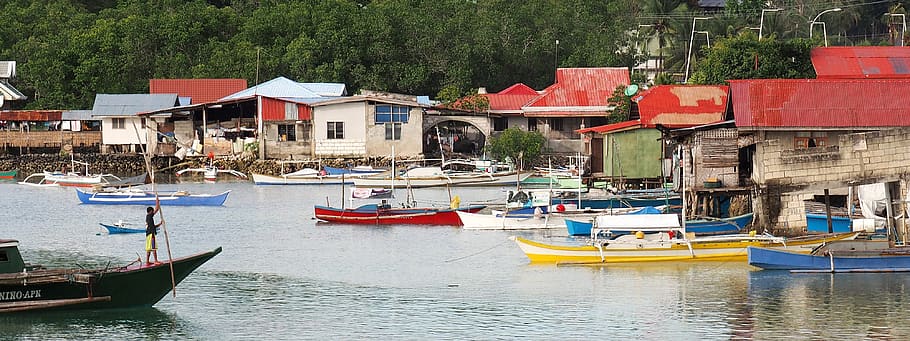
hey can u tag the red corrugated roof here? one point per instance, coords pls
(679, 106)
(200, 90)
(820, 103)
(582, 87)
(31, 115)
(518, 89)
(611, 127)
(511, 99)
(861, 62)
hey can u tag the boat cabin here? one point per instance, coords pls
(10, 259)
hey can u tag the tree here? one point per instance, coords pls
(622, 105)
(517, 144)
(745, 57)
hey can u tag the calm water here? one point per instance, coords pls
(282, 276)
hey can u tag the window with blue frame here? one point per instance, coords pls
(392, 114)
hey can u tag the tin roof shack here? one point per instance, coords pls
(818, 134)
(40, 131)
(121, 130)
(369, 124)
(633, 152)
(272, 119)
(717, 181)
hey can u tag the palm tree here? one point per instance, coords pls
(658, 16)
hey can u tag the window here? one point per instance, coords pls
(143, 124)
(290, 111)
(287, 132)
(119, 123)
(500, 124)
(393, 131)
(556, 124)
(805, 140)
(532, 124)
(335, 130)
(391, 113)
(3, 257)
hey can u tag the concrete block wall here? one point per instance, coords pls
(342, 148)
(785, 177)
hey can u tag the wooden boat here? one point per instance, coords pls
(133, 196)
(840, 256)
(10, 174)
(701, 227)
(420, 177)
(120, 229)
(383, 214)
(307, 176)
(210, 172)
(54, 179)
(31, 288)
(667, 241)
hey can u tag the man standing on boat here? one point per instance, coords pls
(151, 229)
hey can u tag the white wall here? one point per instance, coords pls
(354, 142)
(127, 135)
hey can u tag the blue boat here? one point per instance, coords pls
(620, 201)
(701, 227)
(839, 256)
(114, 229)
(819, 223)
(134, 197)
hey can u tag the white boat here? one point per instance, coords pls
(306, 176)
(525, 220)
(69, 178)
(435, 177)
(210, 172)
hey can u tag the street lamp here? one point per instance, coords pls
(903, 24)
(761, 22)
(691, 40)
(824, 29)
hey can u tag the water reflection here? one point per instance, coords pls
(832, 306)
(139, 323)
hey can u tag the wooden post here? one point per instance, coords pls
(828, 211)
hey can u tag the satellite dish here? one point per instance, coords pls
(631, 90)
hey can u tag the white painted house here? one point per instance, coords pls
(368, 125)
(121, 130)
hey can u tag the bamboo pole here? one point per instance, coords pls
(167, 242)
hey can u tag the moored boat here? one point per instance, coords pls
(147, 198)
(420, 177)
(662, 240)
(383, 214)
(10, 174)
(840, 256)
(120, 229)
(29, 288)
(701, 227)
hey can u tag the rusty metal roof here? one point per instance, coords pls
(511, 99)
(678, 106)
(580, 87)
(820, 103)
(634, 124)
(861, 62)
(200, 90)
(31, 115)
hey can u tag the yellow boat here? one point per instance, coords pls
(663, 247)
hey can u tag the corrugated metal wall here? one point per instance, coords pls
(276, 110)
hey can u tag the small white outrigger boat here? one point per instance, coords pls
(210, 172)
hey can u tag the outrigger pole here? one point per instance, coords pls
(148, 167)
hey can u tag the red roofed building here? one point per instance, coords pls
(633, 150)
(861, 62)
(198, 90)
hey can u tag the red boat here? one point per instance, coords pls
(374, 214)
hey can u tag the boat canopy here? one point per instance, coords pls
(637, 222)
(10, 259)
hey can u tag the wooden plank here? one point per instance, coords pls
(11, 307)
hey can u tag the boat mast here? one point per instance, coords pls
(683, 186)
(442, 154)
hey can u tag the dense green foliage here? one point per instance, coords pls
(745, 57)
(517, 145)
(69, 50)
